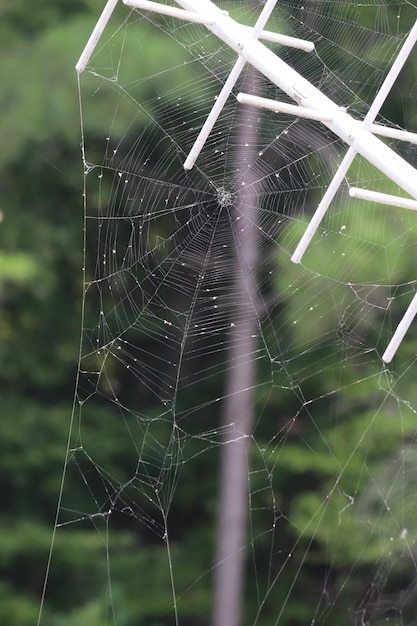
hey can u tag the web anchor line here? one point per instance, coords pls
(310, 103)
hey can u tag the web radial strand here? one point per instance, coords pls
(332, 455)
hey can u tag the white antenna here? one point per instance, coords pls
(360, 136)
(366, 125)
(95, 35)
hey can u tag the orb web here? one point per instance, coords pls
(188, 280)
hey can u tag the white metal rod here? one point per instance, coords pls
(387, 161)
(383, 198)
(401, 330)
(282, 107)
(323, 206)
(393, 133)
(391, 77)
(95, 35)
(214, 114)
(227, 88)
(293, 109)
(363, 149)
(191, 16)
(285, 40)
(165, 9)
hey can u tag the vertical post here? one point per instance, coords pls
(238, 416)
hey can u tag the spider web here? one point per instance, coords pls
(188, 279)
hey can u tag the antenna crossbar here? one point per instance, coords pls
(311, 103)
